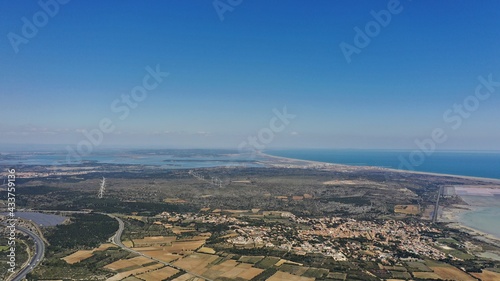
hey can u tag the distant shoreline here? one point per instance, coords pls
(490, 180)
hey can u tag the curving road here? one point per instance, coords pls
(35, 259)
(117, 238)
(117, 241)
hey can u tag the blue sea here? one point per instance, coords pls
(485, 164)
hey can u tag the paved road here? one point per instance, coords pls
(436, 207)
(117, 241)
(35, 259)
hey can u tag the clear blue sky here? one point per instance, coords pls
(225, 77)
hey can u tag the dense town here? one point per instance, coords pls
(386, 241)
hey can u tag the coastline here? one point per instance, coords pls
(451, 216)
(310, 162)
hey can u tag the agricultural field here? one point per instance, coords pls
(400, 275)
(153, 241)
(337, 275)
(487, 275)
(449, 272)
(159, 274)
(268, 262)
(232, 269)
(131, 272)
(284, 276)
(251, 259)
(196, 262)
(449, 246)
(137, 266)
(407, 209)
(139, 218)
(180, 247)
(212, 267)
(418, 267)
(160, 254)
(428, 211)
(168, 249)
(248, 267)
(456, 253)
(181, 230)
(127, 263)
(293, 269)
(80, 255)
(186, 277)
(452, 273)
(105, 246)
(426, 275)
(206, 250)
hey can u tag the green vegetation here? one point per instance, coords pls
(418, 267)
(267, 262)
(291, 268)
(135, 229)
(85, 231)
(265, 274)
(400, 275)
(250, 259)
(88, 269)
(141, 191)
(316, 272)
(455, 245)
(337, 275)
(21, 254)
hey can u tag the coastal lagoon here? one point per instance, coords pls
(485, 219)
(165, 158)
(485, 213)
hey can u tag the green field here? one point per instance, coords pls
(267, 262)
(418, 267)
(251, 259)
